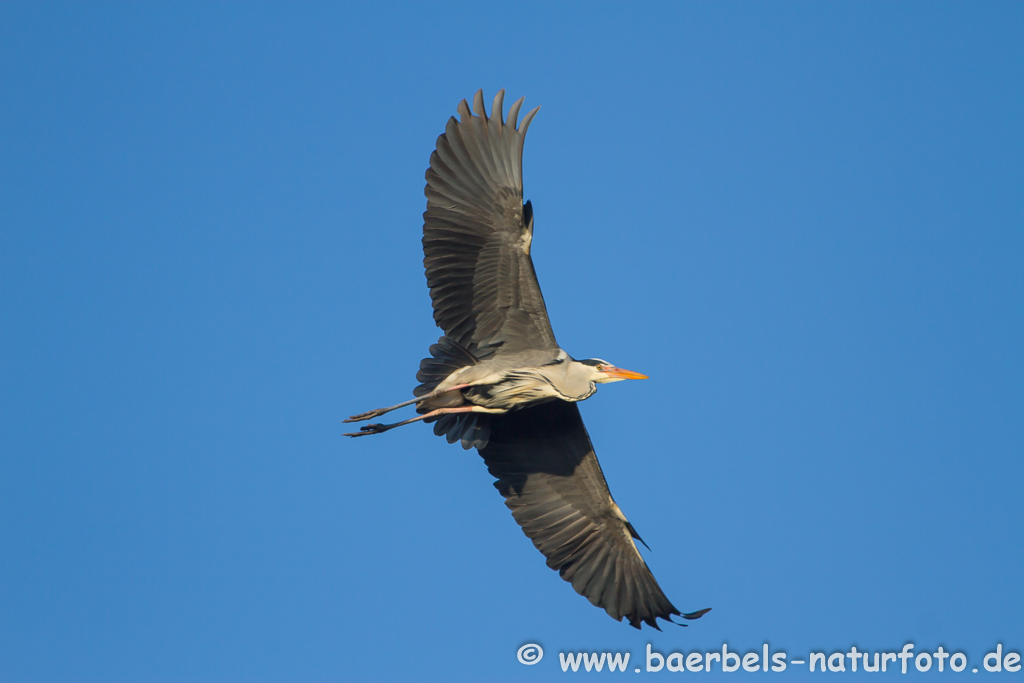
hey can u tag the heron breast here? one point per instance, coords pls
(514, 391)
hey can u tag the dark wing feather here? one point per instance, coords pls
(549, 475)
(477, 233)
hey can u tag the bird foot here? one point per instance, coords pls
(369, 429)
(367, 415)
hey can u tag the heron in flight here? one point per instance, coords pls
(498, 381)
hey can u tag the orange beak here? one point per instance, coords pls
(624, 374)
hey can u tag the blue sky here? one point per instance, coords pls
(805, 221)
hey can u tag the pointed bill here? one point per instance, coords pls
(623, 374)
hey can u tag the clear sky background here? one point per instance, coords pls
(805, 221)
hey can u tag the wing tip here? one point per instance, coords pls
(497, 111)
(695, 615)
(637, 621)
(527, 119)
(464, 113)
(478, 104)
(498, 107)
(478, 109)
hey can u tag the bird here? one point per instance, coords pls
(498, 381)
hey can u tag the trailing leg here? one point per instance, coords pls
(380, 411)
(380, 428)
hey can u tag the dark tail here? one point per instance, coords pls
(447, 356)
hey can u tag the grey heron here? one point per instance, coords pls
(498, 381)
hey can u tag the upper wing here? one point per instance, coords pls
(552, 482)
(477, 233)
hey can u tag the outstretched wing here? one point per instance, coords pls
(547, 471)
(477, 233)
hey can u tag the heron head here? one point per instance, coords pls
(603, 372)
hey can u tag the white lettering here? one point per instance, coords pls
(998, 656)
(853, 654)
(726, 666)
(619, 660)
(651, 654)
(904, 655)
(567, 660)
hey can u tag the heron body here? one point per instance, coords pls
(498, 381)
(505, 382)
(517, 385)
